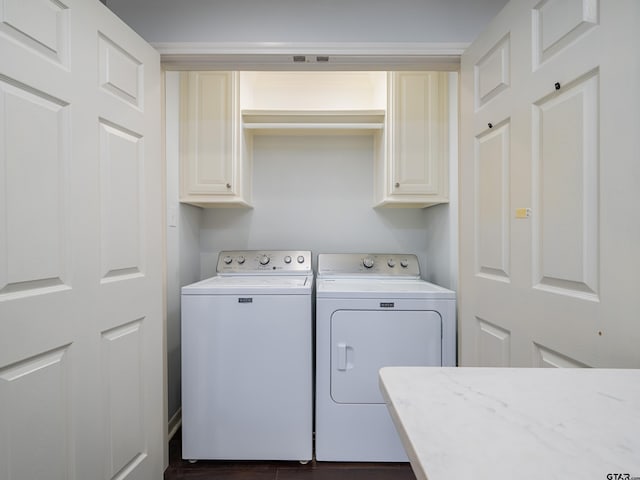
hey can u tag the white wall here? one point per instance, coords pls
(182, 243)
(442, 220)
(307, 20)
(313, 193)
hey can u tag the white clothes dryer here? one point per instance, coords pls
(247, 351)
(372, 311)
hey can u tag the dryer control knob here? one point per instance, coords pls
(368, 262)
(391, 262)
(264, 260)
(287, 259)
(404, 263)
(240, 259)
(300, 259)
(227, 260)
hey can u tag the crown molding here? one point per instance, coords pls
(279, 56)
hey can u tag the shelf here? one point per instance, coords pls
(313, 119)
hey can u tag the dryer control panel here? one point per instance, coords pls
(368, 265)
(264, 262)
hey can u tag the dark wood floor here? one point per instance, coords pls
(277, 470)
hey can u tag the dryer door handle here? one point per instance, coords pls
(345, 357)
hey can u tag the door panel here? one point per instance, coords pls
(34, 239)
(565, 187)
(38, 384)
(492, 73)
(557, 23)
(120, 72)
(81, 376)
(492, 202)
(494, 345)
(40, 26)
(545, 189)
(547, 358)
(121, 198)
(362, 342)
(122, 389)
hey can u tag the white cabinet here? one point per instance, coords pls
(406, 112)
(412, 157)
(215, 163)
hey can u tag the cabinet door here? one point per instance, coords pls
(209, 125)
(418, 134)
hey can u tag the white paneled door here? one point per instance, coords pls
(550, 237)
(81, 363)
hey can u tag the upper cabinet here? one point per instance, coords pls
(412, 158)
(406, 112)
(215, 165)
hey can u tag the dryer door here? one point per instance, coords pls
(362, 342)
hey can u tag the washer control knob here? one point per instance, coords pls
(404, 263)
(227, 259)
(264, 260)
(287, 259)
(391, 262)
(240, 259)
(300, 259)
(368, 262)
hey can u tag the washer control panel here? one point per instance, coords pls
(368, 264)
(267, 262)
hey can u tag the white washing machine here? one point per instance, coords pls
(247, 378)
(372, 310)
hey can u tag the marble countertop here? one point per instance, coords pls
(512, 423)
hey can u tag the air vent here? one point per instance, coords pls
(299, 58)
(322, 59)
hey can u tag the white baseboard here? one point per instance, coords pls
(174, 423)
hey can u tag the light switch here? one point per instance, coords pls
(523, 212)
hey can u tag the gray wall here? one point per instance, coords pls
(307, 20)
(183, 246)
(313, 193)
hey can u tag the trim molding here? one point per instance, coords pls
(341, 56)
(174, 423)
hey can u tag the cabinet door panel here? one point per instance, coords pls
(207, 132)
(418, 128)
(215, 154)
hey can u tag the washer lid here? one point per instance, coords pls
(252, 285)
(377, 288)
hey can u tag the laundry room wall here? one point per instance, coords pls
(442, 220)
(182, 248)
(313, 193)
